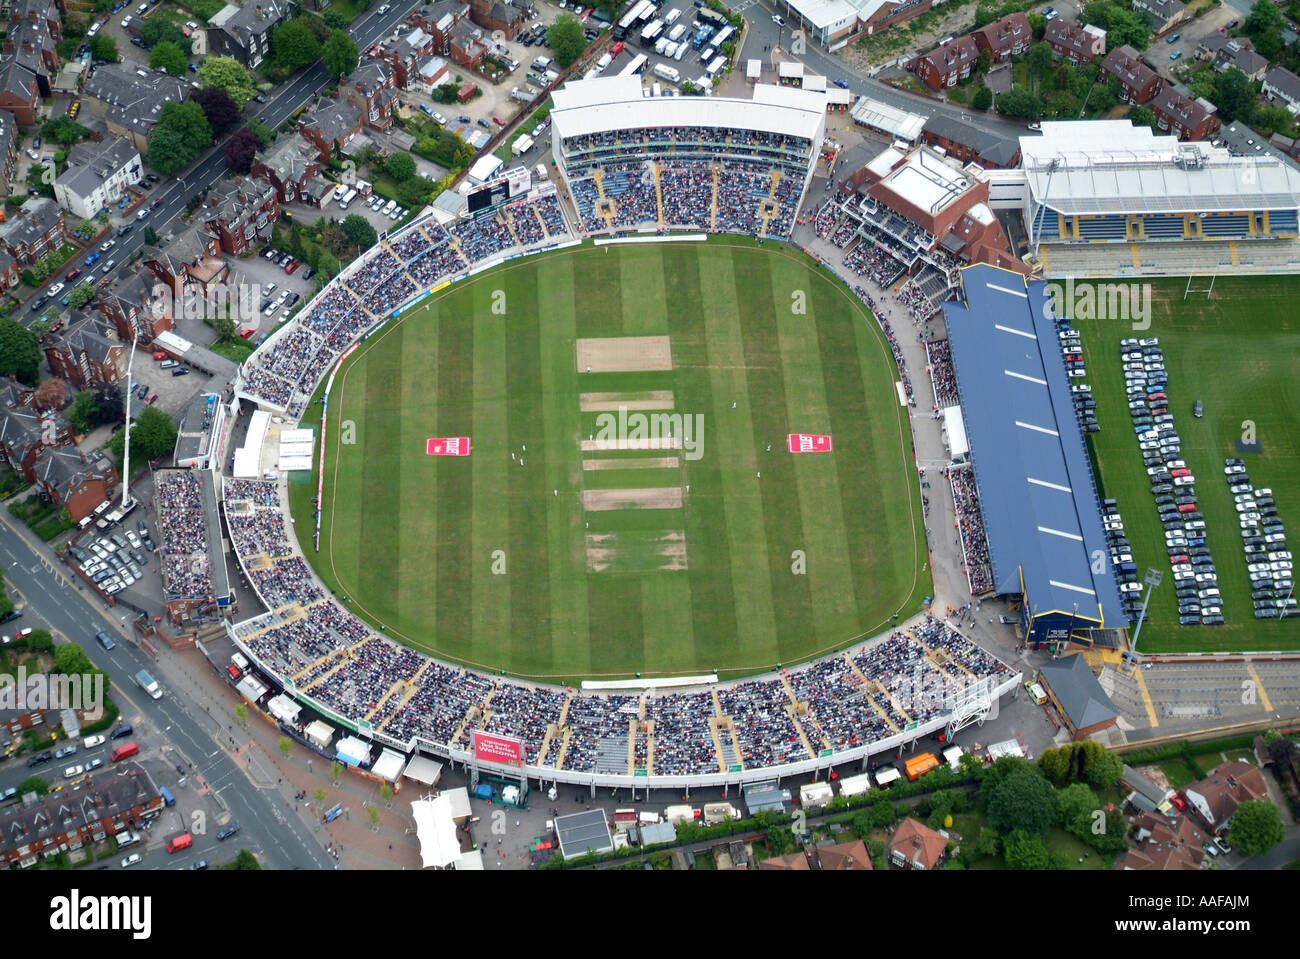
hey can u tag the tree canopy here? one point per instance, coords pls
(294, 45)
(169, 58)
(1022, 800)
(340, 54)
(219, 107)
(103, 47)
(1256, 827)
(152, 436)
(359, 231)
(566, 39)
(241, 149)
(1023, 849)
(20, 353)
(229, 75)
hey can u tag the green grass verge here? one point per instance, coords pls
(1235, 353)
(412, 540)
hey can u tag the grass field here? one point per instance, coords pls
(413, 539)
(1236, 352)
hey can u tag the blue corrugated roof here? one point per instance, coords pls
(1042, 515)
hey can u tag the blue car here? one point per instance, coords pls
(92, 259)
(841, 82)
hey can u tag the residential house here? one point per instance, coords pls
(1077, 696)
(430, 73)
(945, 65)
(20, 93)
(1164, 14)
(1075, 42)
(1138, 83)
(244, 33)
(9, 136)
(844, 856)
(404, 54)
(130, 99)
(466, 46)
(31, 43)
(970, 143)
(437, 20)
(1226, 52)
(1214, 799)
(1144, 794)
(11, 273)
(97, 175)
(65, 477)
(33, 229)
(796, 862)
(188, 264)
(371, 89)
(330, 125)
(1183, 116)
(1005, 37)
(1281, 85)
(494, 15)
(43, 13)
(68, 820)
(291, 166)
(916, 846)
(138, 306)
(1163, 844)
(87, 351)
(240, 214)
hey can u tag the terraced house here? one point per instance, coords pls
(97, 175)
(86, 352)
(1005, 38)
(34, 229)
(243, 33)
(948, 63)
(240, 214)
(1075, 42)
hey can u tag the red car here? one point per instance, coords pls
(159, 355)
(247, 334)
(616, 49)
(1181, 558)
(153, 398)
(498, 121)
(1180, 472)
(157, 203)
(1187, 508)
(1178, 802)
(1158, 396)
(73, 274)
(293, 265)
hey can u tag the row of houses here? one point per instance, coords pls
(1177, 113)
(912, 846)
(955, 59)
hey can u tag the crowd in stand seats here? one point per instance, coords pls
(287, 581)
(251, 491)
(285, 374)
(258, 531)
(918, 304)
(687, 190)
(939, 355)
(866, 259)
(709, 142)
(970, 518)
(892, 338)
(183, 529)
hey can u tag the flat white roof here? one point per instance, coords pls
(824, 14)
(790, 69)
(884, 161)
(753, 69)
(615, 103)
(927, 181)
(1113, 166)
(484, 167)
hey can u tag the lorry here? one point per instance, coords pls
(665, 72)
(148, 684)
(522, 145)
(524, 94)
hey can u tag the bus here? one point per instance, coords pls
(636, 67)
(631, 17)
(724, 35)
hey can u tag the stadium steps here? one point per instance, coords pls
(934, 656)
(723, 747)
(546, 743)
(392, 691)
(510, 228)
(866, 685)
(632, 724)
(465, 721)
(564, 711)
(793, 710)
(659, 197)
(564, 747)
(650, 747)
(713, 218)
(412, 688)
(598, 175)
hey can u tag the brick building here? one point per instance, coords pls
(1075, 42)
(1006, 37)
(240, 214)
(1138, 83)
(87, 351)
(947, 64)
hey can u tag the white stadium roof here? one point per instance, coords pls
(615, 103)
(1113, 167)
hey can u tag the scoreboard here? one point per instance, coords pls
(510, 186)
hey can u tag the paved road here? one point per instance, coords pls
(211, 167)
(763, 32)
(55, 601)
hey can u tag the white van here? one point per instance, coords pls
(540, 171)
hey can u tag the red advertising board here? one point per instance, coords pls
(808, 443)
(489, 748)
(447, 446)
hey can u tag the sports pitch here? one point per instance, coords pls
(572, 559)
(1237, 353)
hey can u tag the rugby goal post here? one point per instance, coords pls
(1199, 284)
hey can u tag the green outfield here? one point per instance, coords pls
(1236, 352)
(599, 562)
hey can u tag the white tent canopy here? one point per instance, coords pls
(284, 709)
(389, 765)
(436, 830)
(424, 770)
(353, 751)
(955, 425)
(320, 733)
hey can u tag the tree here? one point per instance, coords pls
(285, 745)
(372, 813)
(1264, 17)
(445, 92)
(1040, 59)
(1023, 800)
(71, 658)
(1272, 119)
(1075, 805)
(1024, 850)
(152, 436)
(883, 813)
(265, 135)
(241, 712)
(151, 236)
(1234, 95)
(51, 394)
(565, 38)
(158, 30)
(340, 54)
(1018, 102)
(386, 794)
(1282, 750)
(1268, 45)
(84, 412)
(225, 328)
(228, 74)
(20, 353)
(983, 98)
(359, 231)
(984, 61)
(336, 770)
(988, 843)
(81, 295)
(219, 107)
(187, 118)
(103, 47)
(1141, 116)
(335, 20)
(293, 45)
(400, 166)
(33, 784)
(1103, 770)
(1256, 827)
(319, 793)
(169, 58)
(244, 862)
(64, 131)
(241, 149)
(168, 151)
